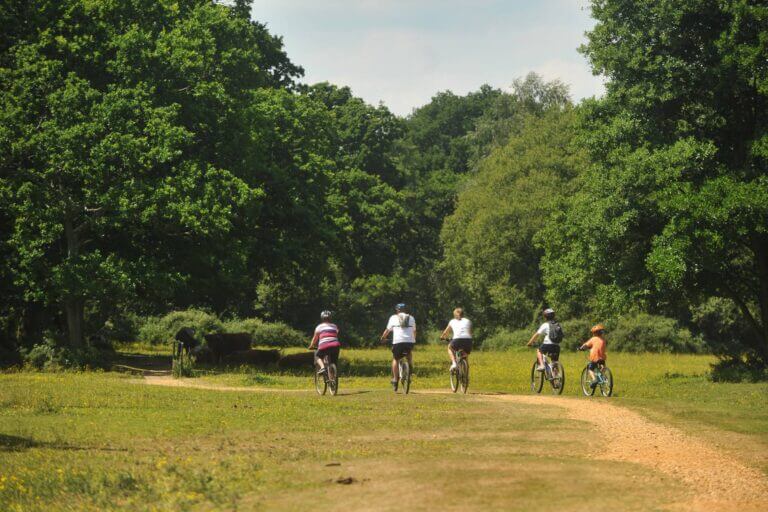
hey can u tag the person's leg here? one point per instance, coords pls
(540, 359)
(319, 361)
(395, 372)
(410, 361)
(452, 356)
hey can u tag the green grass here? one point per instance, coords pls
(101, 441)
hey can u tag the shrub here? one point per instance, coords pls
(723, 327)
(735, 369)
(274, 334)
(250, 325)
(651, 333)
(49, 356)
(158, 330)
(507, 339)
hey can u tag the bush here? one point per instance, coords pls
(123, 328)
(273, 334)
(50, 357)
(652, 333)
(722, 326)
(507, 339)
(157, 330)
(735, 369)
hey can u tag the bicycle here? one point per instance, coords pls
(404, 370)
(603, 378)
(459, 376)
(553, 372)
(329, 379)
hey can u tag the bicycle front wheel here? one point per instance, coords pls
(606, 387)
(537, 378)
(405, 376)
(558, 378)
(320, 384)
(463, 375)
(586, 388)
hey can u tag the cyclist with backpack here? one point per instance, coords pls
(326, 340)
(403, 329)
(553, 335)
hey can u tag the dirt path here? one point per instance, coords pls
(717, 481)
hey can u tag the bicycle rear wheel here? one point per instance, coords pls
(454, 374)
(585, 383)
(333, 379)
(537, 378)
(463, 372)
(606, 387)
(405, 376)
(558, 378)
(320, 385)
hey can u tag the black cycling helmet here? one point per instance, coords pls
(549, 313)
(325, 315)
(400, 307)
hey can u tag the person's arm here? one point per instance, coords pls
(586, 344)
(469, 329)
(313, 343)
(533, 339)
(445, 332)
(385, 334)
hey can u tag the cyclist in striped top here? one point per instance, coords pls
(326, 339)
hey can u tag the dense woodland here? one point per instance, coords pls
(164, 155)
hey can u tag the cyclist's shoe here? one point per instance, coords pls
(593, 384)
(453, 367)
(540, 368)
(322, 371)
(394, 386)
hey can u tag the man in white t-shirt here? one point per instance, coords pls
(547, 346)
(403, 329)
(462, 335)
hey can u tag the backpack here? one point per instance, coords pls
(405, 321)
(556, 333)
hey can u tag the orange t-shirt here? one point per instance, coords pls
(596, 349)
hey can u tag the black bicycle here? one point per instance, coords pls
(460, 374)
(553, 372)
(327, 379)
(404, 369)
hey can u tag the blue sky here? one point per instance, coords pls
(402, 52)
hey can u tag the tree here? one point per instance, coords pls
(676, 207)
(491, 261)
(138, 152)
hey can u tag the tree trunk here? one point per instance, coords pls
(761, 252)
(73, 306)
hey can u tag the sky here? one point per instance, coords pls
(402, 52)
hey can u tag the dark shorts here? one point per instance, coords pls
(552, 349)
(464, 344)
(331, 352)
(593, 366)
(401, 349)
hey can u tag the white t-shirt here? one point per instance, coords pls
(544, 329)
(402, 334)
(462, 328)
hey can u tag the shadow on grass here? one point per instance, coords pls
(10, 443)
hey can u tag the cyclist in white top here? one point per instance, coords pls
(462, 335)
(548, 346)
(403, 329)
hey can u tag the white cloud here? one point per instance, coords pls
(403, 52)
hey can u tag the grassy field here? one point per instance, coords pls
(96, 441)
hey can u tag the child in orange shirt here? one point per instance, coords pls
(596, 346)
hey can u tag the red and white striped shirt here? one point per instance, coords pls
(327, 335)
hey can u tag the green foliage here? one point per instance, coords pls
(183, 366)
(274, 334)
(651, 333)
(675, 208)
(491, 262)
(162, 330)
(49, 356)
